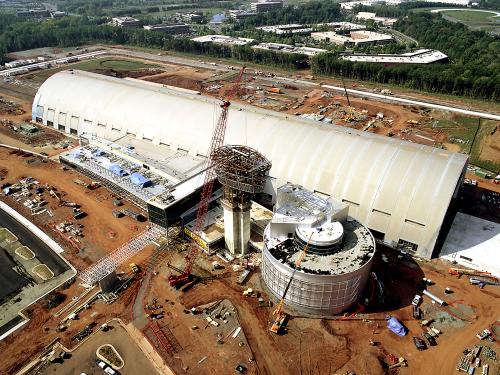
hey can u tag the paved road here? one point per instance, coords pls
(497, 14)
(408, 100)
(361, 93)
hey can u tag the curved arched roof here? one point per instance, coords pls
(396, 187)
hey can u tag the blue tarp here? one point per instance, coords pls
(76, 154)
(140, 180)
(116, 169)
(395, 326)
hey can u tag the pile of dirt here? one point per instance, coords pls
(10, 108)
(178, 81)
(41, 138)
(128, 73)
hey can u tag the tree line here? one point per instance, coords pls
(73, 31)
(474, 69)
(308, 13)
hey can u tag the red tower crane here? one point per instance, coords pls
(208, 185)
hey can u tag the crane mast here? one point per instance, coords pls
(278, 312)
(208, 185)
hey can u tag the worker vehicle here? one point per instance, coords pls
(482, 282)
(240, 369)
(417, 312)
(134, 267)
(429, 339)
(419, 343)
(416, 300)
(485, 333)
(463, 271)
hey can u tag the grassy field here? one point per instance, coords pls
(462, 130)
(473, 18)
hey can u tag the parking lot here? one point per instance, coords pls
(83, 359)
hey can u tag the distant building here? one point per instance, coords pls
(286, 29)
(239, 15)
(354, 38)
(385, 21)
(223, 39)
(351, 4)
(125, 22)
(337, 26)
(287, 48)
(58, 14)
(32, 13)
(190, 17)
(266, 5)
(421, 56)
(177, 28)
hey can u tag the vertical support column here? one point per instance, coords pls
(244, 224)
(231, 225)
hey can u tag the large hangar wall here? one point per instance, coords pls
(399, 189)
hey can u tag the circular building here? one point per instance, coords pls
(333, 273)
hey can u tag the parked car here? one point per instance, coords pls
(101, 364)
(419, 343)
(417, 313)
(430, 340)
(416, 300)
(483, 334)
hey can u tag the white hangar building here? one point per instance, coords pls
(400, 190)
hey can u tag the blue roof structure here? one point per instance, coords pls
(139, 180)
(116, 169)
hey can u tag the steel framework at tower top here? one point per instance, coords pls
(241, 168)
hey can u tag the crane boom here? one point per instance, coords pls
(278, 312)
(208, 185)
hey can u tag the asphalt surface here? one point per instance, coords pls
(44, 253)
(10, 280)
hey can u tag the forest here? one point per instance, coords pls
(474, 69)
(74, 31)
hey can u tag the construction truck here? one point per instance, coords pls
(134, 268)
(462, 271)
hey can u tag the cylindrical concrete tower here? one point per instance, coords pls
(333, 274)
(242, 171)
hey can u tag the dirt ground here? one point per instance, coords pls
(490, 146)
(102, 231)
(299, 351)
(310, 346)
(403, 122)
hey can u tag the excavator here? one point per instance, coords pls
(280, 316)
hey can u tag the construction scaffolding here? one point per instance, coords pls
(241, 169)
(108, 264)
